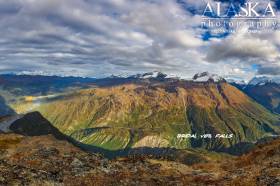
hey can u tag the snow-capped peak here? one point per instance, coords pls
(206, 76)
(236, 80)
(262, 80)
(148, 75)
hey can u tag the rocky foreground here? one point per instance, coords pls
(45, 160)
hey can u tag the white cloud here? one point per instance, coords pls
(242, 45)
(246, 48)
(99, 38)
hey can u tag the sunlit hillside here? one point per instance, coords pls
(135, 115)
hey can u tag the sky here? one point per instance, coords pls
(98, 38)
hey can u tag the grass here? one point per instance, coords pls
(7, 142)
(213, 110)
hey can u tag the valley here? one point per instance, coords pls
(46, 160)
(150, 112)
(125, 127)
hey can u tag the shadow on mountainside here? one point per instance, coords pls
(171, 154)
(34, 124)
(186, 156)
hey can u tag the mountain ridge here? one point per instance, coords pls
(163, 110)
(152, 111)
(44, 160)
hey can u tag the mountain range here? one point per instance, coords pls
(39, 156)
(265, 91)
(144, 111)
(163, 128)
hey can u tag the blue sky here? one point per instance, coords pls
(98, 38)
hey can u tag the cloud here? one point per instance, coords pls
(112, 34)
(269, 70)
(245, 47)
(100, 38)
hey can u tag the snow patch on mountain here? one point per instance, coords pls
(262, 80)
(148, 75)
(206, 76)
(237, 81)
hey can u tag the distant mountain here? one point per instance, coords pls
(153, 113)
(13, 86)
(145, 114)
(150, 109)
(266, 91)
(238, 83)
(264, 80)
(155, 74)
(37, 84)
(206, 76)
